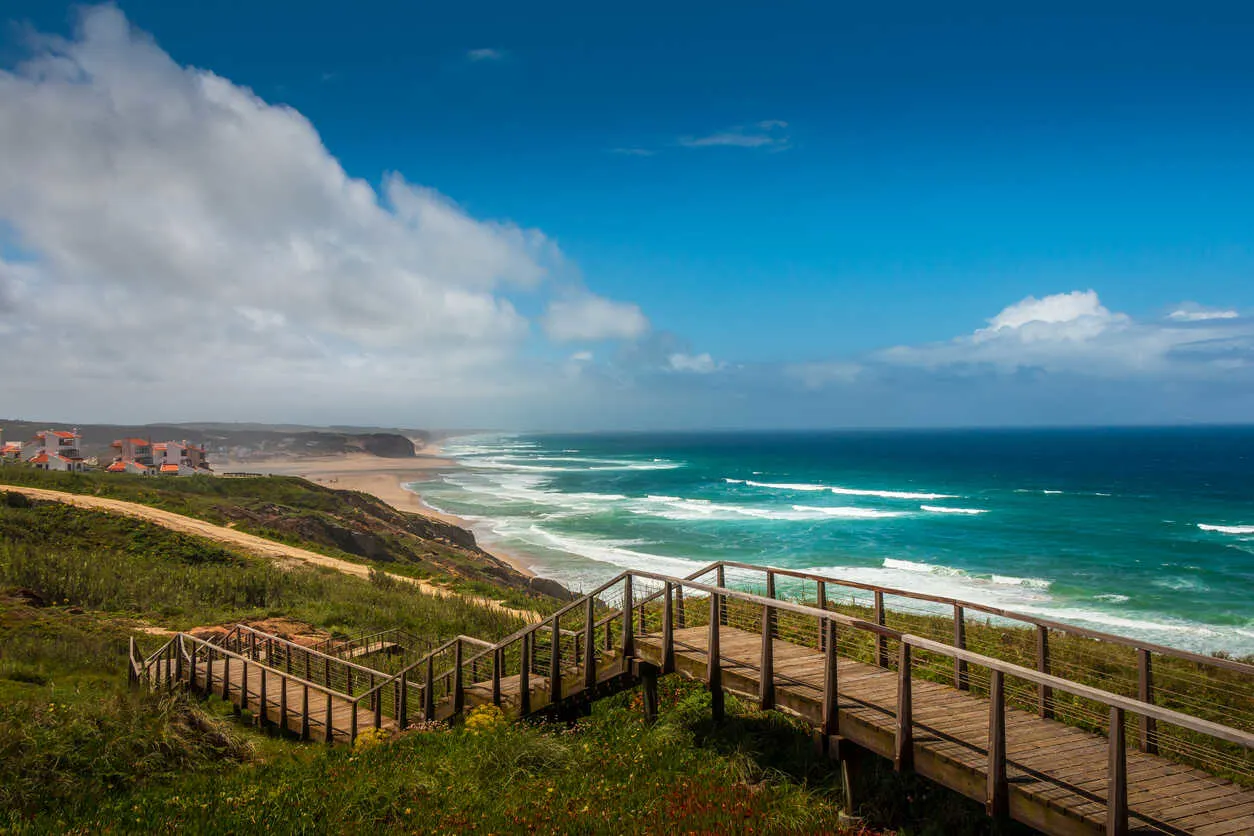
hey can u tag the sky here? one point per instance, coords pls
(688, 216)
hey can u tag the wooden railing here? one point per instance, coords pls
(1212, 687)
(592, 641)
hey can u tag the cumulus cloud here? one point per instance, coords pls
(769, 134)
(588, 318)
(1074, 333)
(485, 54)
(696, 363)
(187, 229)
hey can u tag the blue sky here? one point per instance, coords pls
(783, 188)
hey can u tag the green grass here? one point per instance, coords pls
(348, 525)
(128, 567)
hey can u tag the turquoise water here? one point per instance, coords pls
(1140, 532)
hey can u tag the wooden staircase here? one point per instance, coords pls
(993, 730)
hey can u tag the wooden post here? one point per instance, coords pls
(178, 658)
(261, 715)
(428, 692)
(820, 602)
(903, 752)
(881, 643)
(1145, 693)
(1117, 778)
(629, 639)
(524, 677)
(283, 703)
(1044, 693)
(378, 708)
(352, 722)
(131, 678)
(555, 666)
(304, 712)
(997, 793)
(498, 661)
(459, 694)
(770, 593)
(831, 692)
(648, 676)
(243, 685)
(681, 617)
(961, 681)
(589, 646)
(402, 702)
(208, 669)
(330, 729)
(713, 665)
(668, 630)
(766, 685)
(720, 580)
(375, 696)
(226, 677)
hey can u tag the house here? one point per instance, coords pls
(55, 450)
(10, 451)
(180, 458)
(134, 455)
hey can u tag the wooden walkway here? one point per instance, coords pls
(1020, 764)
(1056, 773)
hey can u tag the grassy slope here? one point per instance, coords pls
(78, 752)
(343, 524)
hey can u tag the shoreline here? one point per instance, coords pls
(384, 479)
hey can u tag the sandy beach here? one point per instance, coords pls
(380, 477)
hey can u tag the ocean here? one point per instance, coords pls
(1143, 532)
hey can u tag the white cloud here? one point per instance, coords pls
(485, 54)
(590, 318)
(769, 133)
(695, 363)
(188, 230)
(1191, 312)
(1074, 333)
(633, 152)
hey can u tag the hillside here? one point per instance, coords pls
(79, 753)
(345, 524)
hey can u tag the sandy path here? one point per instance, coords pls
(250, 543)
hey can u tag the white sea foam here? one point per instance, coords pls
(941, 509)
(1113, 598)
(499, 464)
(1051, 493)
(1227, 529)
(678, 508)
(807, 486)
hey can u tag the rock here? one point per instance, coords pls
(551, 588)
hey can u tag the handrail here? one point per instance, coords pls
(218, 649)
(1167, 715)
(1114, 638)
(289, 643)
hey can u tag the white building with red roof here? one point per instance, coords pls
(180, 458)
(133, 455)
(56, 450)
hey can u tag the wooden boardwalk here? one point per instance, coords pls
(1056, 773)
(1021, 764)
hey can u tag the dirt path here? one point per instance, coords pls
(250, 543)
